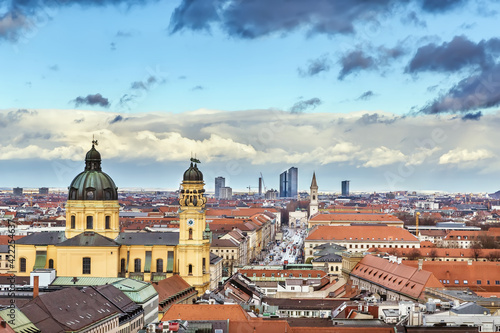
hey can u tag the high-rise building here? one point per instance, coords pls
(17, 191)
(220, 182)
(43, 190)
(293, 177)
(226, 193)
(283, 184)
(345, 188)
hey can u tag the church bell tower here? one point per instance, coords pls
(193, 251)
(313, 205)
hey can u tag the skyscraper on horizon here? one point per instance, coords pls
(283, 184)
(345, 188)
(289, 183)
(220, 182)
(293, 177)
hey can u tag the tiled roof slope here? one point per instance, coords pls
(376, 233)
(400, 278)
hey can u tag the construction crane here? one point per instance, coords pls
(250, 189)
(263, 183)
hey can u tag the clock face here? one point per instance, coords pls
(190, 222)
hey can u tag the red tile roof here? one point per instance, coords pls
(461, 271)
(206, 312)
(400, 278)
(359, 217)
(373, 233)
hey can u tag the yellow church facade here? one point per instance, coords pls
(93, 246)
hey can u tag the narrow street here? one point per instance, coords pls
(289, 250)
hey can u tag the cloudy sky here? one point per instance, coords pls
(392, 95)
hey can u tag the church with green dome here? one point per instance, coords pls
(93, 246)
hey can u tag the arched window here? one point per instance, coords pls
(314, 197)
(190, 269)
(107, 222)
(73, 221)
(86, 265)
(22, 265)
(51, 263)
(122, 266)
(190, 233)
(137, 265)
(90, 222)
(159, 265)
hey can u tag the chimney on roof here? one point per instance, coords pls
(35, 286)
(420, 263)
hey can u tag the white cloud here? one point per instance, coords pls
(458, 155)
(255, 137)
(382, 156)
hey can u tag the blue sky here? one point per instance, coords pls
(346, 88)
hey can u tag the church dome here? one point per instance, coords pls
(92, 183)
(193, 174)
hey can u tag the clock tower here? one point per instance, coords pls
(193, 250)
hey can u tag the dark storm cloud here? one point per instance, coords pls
(355, 61)
(256, 18)
(454, 55)
(367, 57)
(365, 96)
(437, 6)
(304, 105)
(252, 19)
(316, 66)
(472, 116)
(477, 91)
(92, 100)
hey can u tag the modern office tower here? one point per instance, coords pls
(220, 182)
(17, 191)
(283, 184)
(43, 190)
(226, 193)
(260, 186)
(345, 188)
(292, 189)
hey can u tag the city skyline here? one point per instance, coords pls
(393, 96)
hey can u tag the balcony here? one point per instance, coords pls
(136, 276)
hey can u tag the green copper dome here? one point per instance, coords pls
(193, 174)
(92, 183)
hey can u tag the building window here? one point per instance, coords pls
(466, 282)
(190, 269)
(86, 265)
(73, 221)
(51, 263)
(90, 222)
(137, 265)
(457, 282)
(478, 281)
(204, 265)
(108, 222)
(122, 265)
(22, 265)
(190, 233)
(159, 265)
